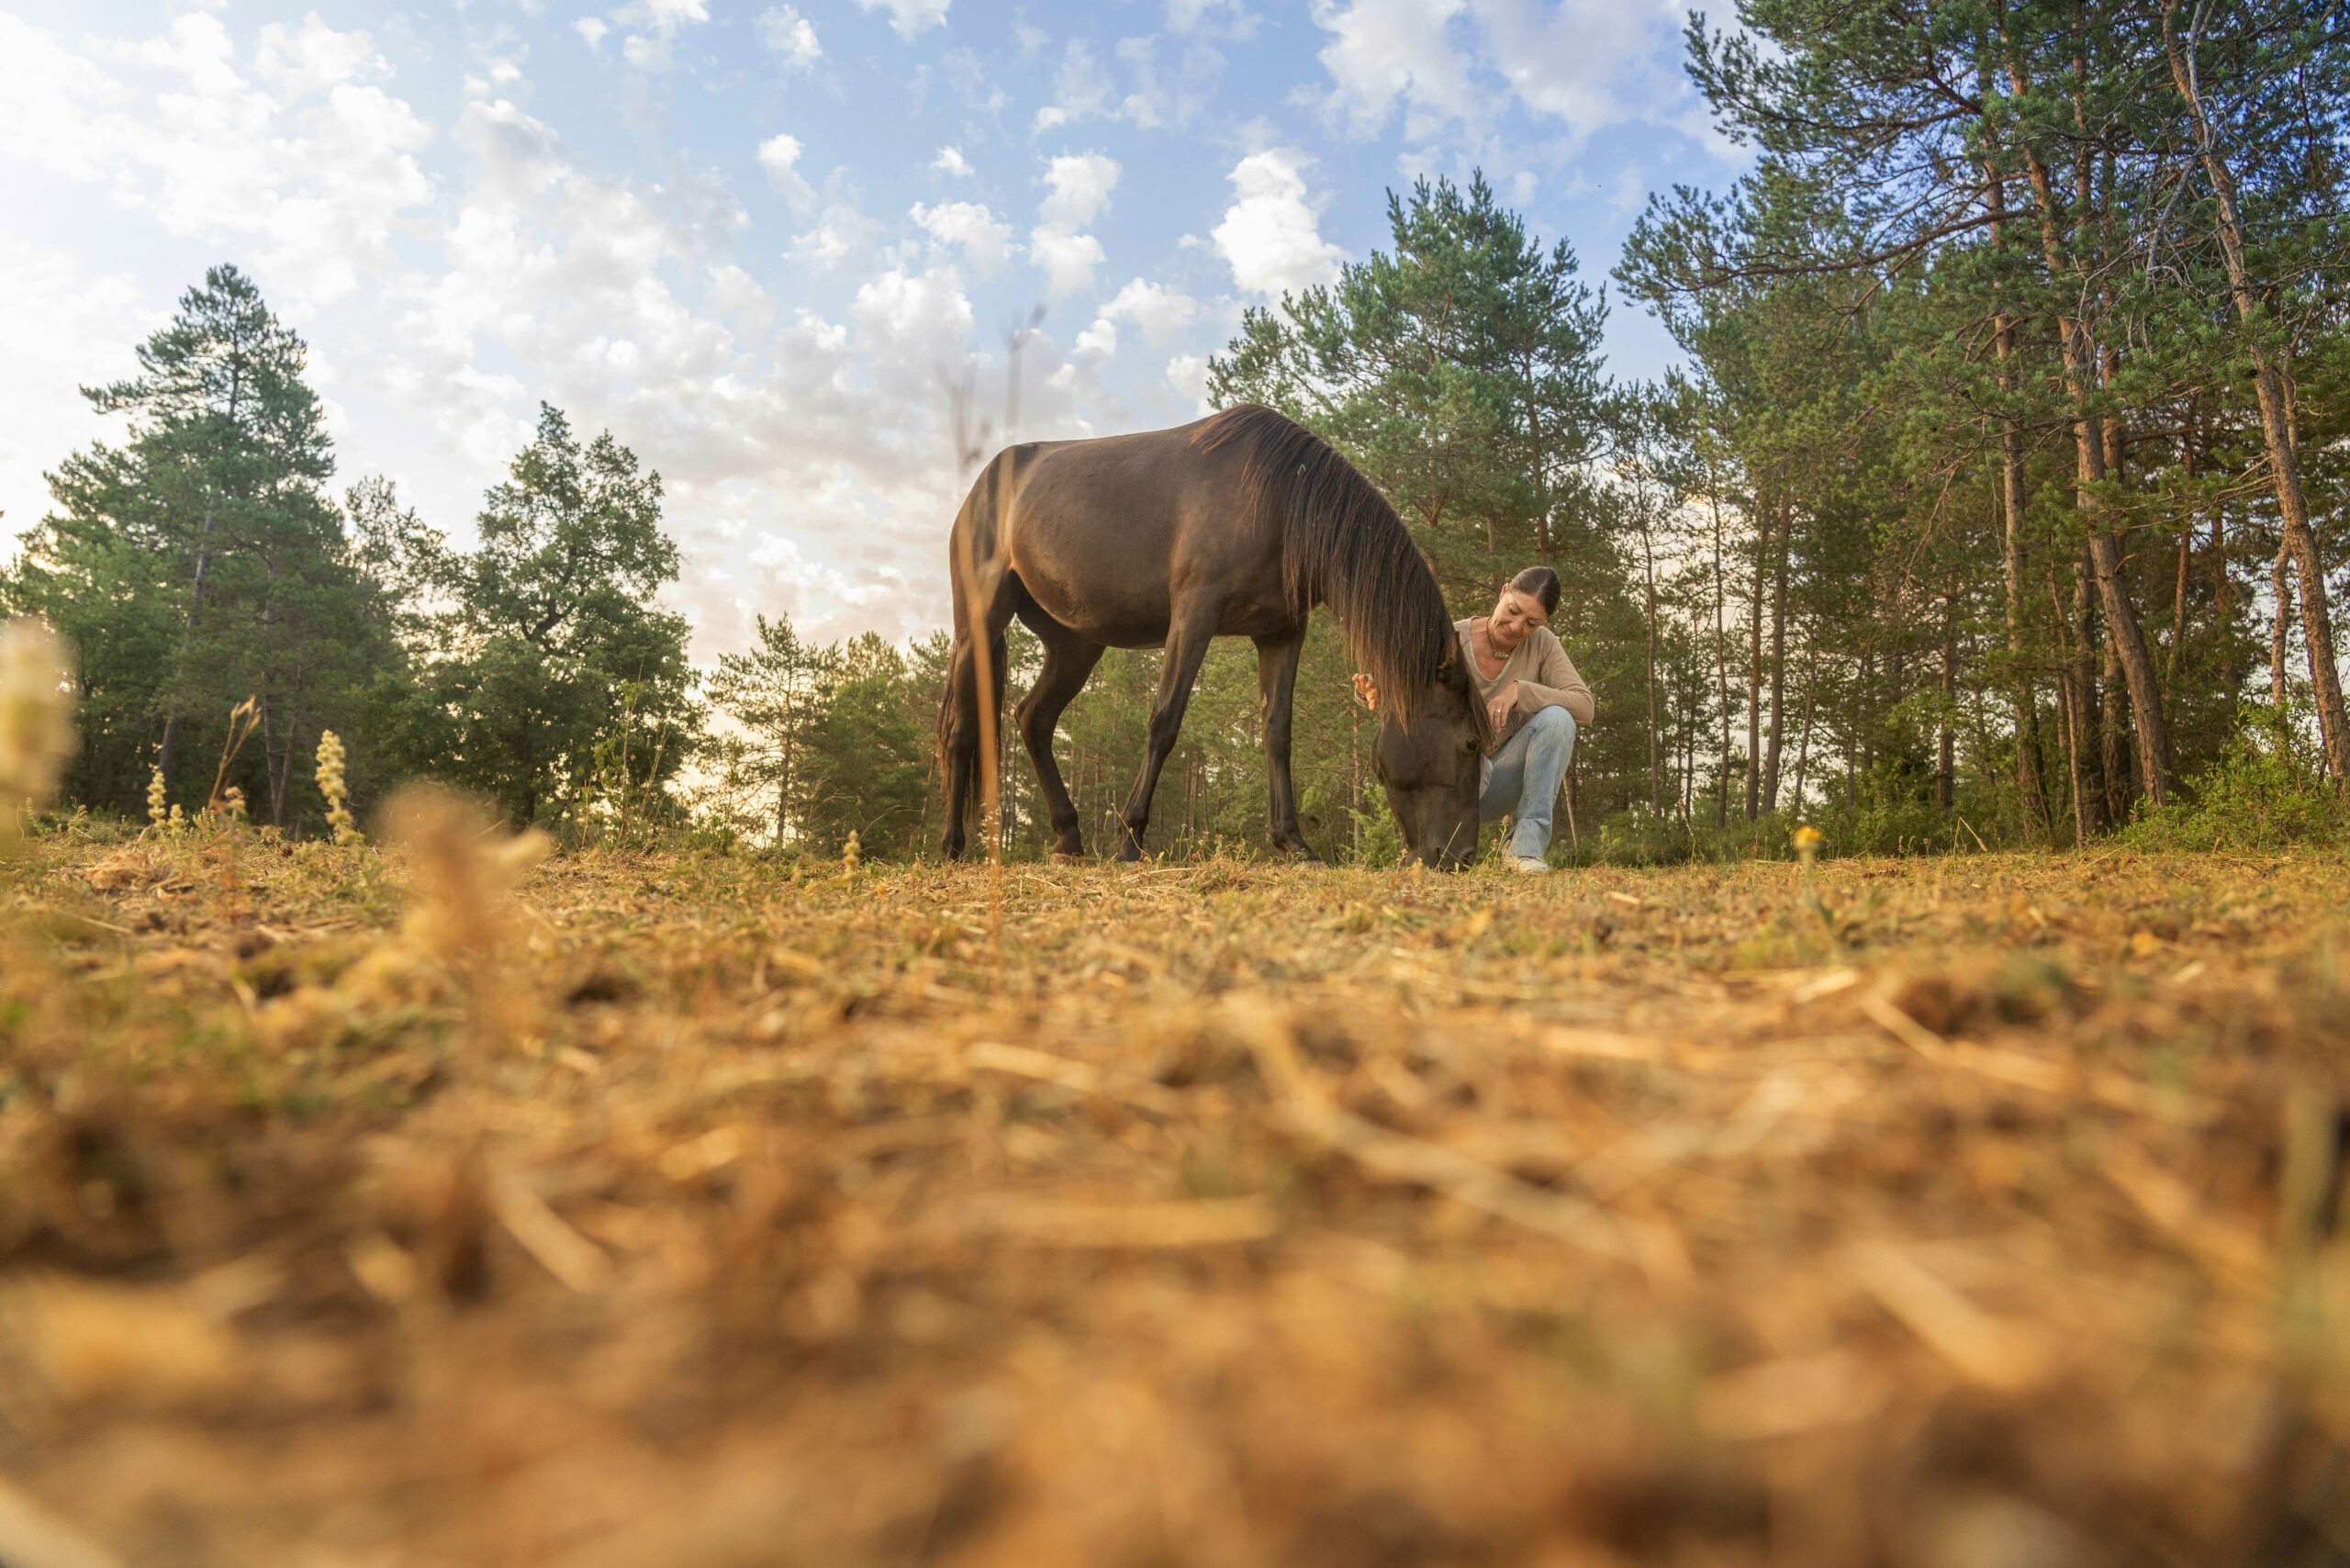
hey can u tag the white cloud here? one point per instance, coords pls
(1068, 259)
(779, 156)
(649, 51)
(1188, 374)
(844, 236)
(984, 239)
(1081, 89)
(791, 36)
(1383, 50)
(1081, 184)
(910, 18)
(1269, 236)
(310, 179)
(314, 57)
(950, 160)
(1099, 340)
(1160, 313)
(1157, 313)
(1186, 16)
(595, 30)
(663, 16)
(69, 326)
(1589, 62)
(1450, 65)
(928, 306)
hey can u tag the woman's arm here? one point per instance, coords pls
(1555, 683)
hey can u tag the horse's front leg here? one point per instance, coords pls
(1277, 688)
(1187, 644)
(1069, 660)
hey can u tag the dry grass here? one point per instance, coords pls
(1974, 1211)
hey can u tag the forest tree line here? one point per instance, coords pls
(1999, 499)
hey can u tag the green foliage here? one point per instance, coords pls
(1459, 371)
(202, 563)
(552, 667)
(866, 769)
(772, 693)
(2266, 791)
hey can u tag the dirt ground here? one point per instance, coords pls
(694, 1213)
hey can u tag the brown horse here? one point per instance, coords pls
(1237, 525)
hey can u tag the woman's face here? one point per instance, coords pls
(1515, 615)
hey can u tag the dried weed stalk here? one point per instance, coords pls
(464, 867)
(337, 791)
(36, 721)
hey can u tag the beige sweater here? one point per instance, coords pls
(1546, 678)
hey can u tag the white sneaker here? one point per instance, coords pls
(1530, 866)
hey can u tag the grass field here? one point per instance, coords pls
(697, 1211)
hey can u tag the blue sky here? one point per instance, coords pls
(766, 243)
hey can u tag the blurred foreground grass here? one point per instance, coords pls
(694, 1212)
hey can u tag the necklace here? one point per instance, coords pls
(1482, 644)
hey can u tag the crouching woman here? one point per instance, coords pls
(1534, 703)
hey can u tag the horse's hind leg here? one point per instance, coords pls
(1069, 660)
(1187, 645)
(1277, 686)
(961, 732)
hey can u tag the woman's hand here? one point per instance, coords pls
(1497, 712)
(1368, 690)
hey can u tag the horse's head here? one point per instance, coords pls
(1428, 763)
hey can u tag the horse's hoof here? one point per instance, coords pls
(1068, 856)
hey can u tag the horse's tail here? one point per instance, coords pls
(1342, 546)
(976, 563)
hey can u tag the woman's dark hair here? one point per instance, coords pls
(1540, 583)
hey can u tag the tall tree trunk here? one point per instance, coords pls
(2113, 747)
(2179, 601)
(1778, 658)
(2278, 432)
(1854, 747)
(1754, 666)
(2081, 364)
(1648, 556)
(2277, 636)
(2077, 690)
(168, 757)
(1721, 671)
(2025, 706)
(1810, 705)
(1945, 756)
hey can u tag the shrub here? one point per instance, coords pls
(2268, 790)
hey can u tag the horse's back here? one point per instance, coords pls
(1108, 532)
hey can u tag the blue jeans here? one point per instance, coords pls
(1522, 779)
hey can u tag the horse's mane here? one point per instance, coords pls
(1342, 546)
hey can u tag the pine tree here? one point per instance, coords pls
(772, 692)
(202, 561)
